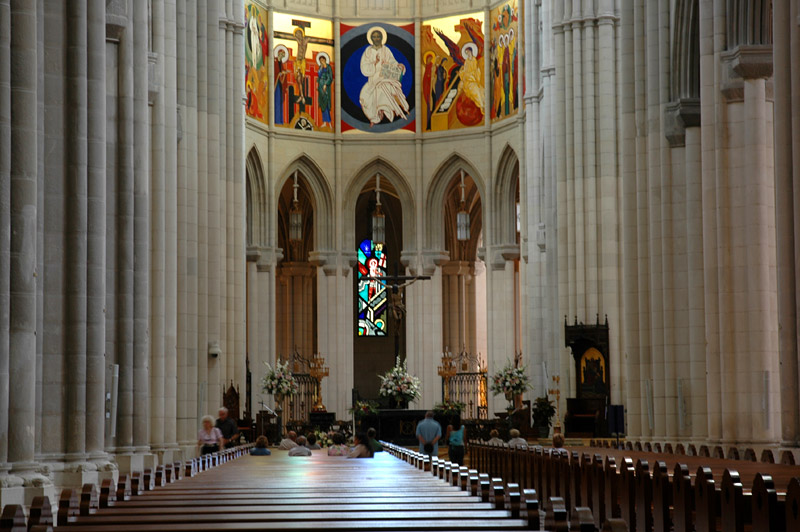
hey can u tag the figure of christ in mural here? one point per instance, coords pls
(324, 82)
(299, 35)
(281, 81)
(382, 95)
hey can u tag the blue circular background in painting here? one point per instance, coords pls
(353, 44)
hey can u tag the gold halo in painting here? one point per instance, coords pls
(372, 30)
(427, 55)
(325, 55)
(282, 48)
(469, 46)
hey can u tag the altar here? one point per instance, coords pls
(398, 426)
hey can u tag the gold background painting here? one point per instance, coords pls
(504, 49)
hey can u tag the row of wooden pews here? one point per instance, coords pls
(74, 505)
(518, 501)
(279, 492)
(733, 453)
(651, 491)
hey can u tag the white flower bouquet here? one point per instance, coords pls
(279, 381)
(510, 381)
(398, 384)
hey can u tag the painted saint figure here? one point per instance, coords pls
(281, 56)
(382, 94)
(427, 89)
(324, 81)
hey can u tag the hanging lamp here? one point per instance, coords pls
(295, 215)
(378, 219)
(462, 218)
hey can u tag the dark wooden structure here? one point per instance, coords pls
(587, 414)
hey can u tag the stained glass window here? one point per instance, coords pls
(372, 304)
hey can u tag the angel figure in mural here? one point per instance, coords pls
(471, 75)
(382, 94)
(325, 79)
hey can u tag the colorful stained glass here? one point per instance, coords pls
(372, 303)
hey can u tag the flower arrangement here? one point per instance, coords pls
(364, 408)
(324, 439)
(449, 408)
(510, 381)
(279, 381)
(399, 385)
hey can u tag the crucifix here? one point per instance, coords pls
(397, 307)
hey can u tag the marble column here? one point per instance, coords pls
(23, 215)
(96, 240)
(5, 222)
(75, 239)
(237, 99)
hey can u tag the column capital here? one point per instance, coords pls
(429, 259)
(679, 115)
(497, 256)
(327, 259)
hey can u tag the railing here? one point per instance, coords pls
(471, 390)
(296, 408)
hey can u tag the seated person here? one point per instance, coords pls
(312, 442)
(362, 448)
(261, 447)
(494, 438)
(515, 440)
(289, 441)
(338, 448)
(375, 444)
(229, 429)
(558, 440)
(300, 449)
(209, 437)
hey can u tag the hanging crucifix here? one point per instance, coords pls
(397, 308)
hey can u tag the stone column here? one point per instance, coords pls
(786, 52)
(141, 275)
(96, 240)
(75, 238)
(124, 244)
(157, 239)
(237, 99)
(23, 215)
(5, 222)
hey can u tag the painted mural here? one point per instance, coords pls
(452, 59)
(304, 72)
(256, 70)
(505, 60)
(378, 77)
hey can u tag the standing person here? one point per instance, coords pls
(209, 437)
(456, 433)
(429, 432)
(227, 426)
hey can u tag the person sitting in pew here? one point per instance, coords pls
(558, 440)
(494, 438)
(312, 442)
(300, 449)
(374, 443)
(261, 447)
(362, 448)
(209, 437)
(229, 429)
(338, 448)
(289, 442)
(515, 440)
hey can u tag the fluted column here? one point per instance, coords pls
(96, 240)
(76, 225)
(23, 174)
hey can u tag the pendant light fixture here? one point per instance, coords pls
(378, 219)
(462, 218)
(295, 215)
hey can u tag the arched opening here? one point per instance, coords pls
(464, 275)
(296, 276)
(379, 327)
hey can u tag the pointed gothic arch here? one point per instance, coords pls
(321, 199)
(256, 200)
(434, 199)
(505, 197)
(387, 170)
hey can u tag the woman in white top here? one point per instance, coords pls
(209, 437)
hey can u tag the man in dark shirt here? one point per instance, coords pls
(228, 428)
